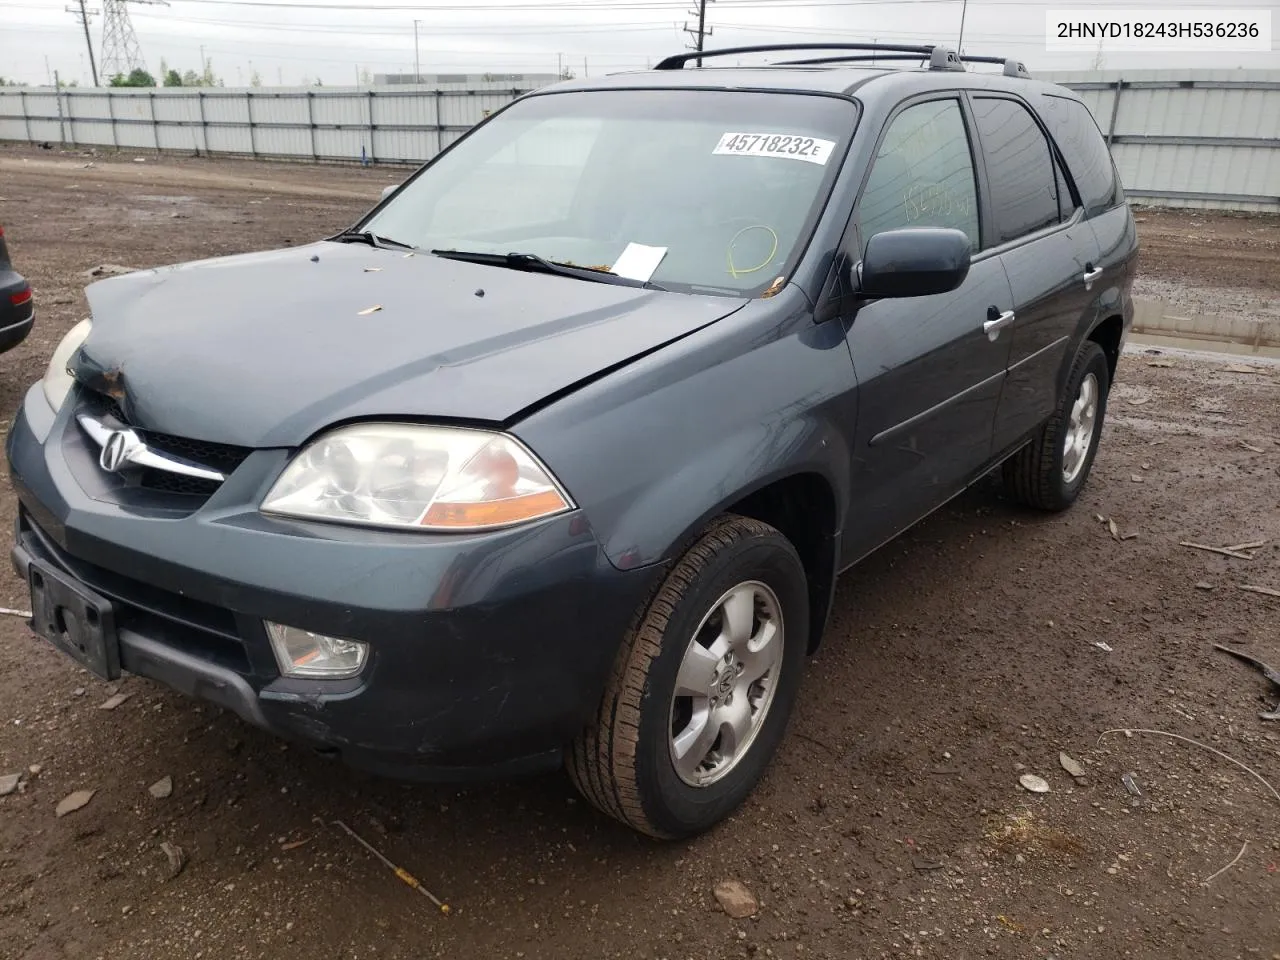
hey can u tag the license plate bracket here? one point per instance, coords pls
(74, 619)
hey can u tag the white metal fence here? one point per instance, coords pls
(1190, 138)
(1199, 138)
(390, 124)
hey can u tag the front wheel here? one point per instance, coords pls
(702, 687)
(1050, 472)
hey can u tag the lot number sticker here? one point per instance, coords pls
(784, 145)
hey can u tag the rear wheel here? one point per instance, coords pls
(1050, 472)
(702, 687)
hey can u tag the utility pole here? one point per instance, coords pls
(964, 9)
(703, 30)
(57, 95)
(83, 14)
(417, 66)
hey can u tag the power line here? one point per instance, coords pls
(598, 6)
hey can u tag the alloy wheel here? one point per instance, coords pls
(726, 683)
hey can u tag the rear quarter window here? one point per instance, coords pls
(1085, 150)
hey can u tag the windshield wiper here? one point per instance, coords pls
(372, 239)
(532, 263)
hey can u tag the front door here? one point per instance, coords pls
(929, 375)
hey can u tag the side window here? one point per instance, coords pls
(1081, 142)
(923, 174)
(1024, 191)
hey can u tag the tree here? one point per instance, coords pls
(137, 78)
(255, 79)
(6, 82)
(208, 78)
(173, 78)
(192, 79)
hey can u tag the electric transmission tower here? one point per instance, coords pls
(120, 51)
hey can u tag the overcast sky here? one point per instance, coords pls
(292, 41)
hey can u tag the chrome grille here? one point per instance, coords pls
(220, 458)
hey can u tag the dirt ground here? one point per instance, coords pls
(1202, 262)
(971, 650)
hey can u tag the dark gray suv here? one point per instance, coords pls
(556, 454)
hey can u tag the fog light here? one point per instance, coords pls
(301, 653)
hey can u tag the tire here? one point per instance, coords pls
(1043, 474)
(624, 762)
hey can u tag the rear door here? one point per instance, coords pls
(1098, 191)
(1049, 252)
(929, 378)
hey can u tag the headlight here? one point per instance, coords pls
(402, 475)
(57, 382)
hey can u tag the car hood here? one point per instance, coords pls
(265, 349)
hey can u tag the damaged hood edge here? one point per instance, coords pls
(267, 349)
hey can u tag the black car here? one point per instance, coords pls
(556, 454)
(17, 306)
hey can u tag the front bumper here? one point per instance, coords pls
(488, 653)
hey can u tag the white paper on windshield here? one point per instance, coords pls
(638, 262)
(786, 146)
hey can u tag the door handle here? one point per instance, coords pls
(997, 322)
(1091, 274)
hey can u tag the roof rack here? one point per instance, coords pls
(678, 61)
(939, 57)
(852, 58)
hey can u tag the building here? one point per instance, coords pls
(523, 81)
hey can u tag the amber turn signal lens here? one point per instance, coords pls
(495, 513)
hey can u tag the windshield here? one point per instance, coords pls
(695, 191)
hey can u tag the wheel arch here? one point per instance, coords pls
(1108, 333)
(802, 507)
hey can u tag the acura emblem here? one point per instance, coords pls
(117, 449)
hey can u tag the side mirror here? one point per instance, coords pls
(913, 262)
(388, 190)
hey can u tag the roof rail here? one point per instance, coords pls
(678, 61)
(851, 58)
(938, 57)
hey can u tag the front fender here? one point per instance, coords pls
(669, 513)
(652, 451)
